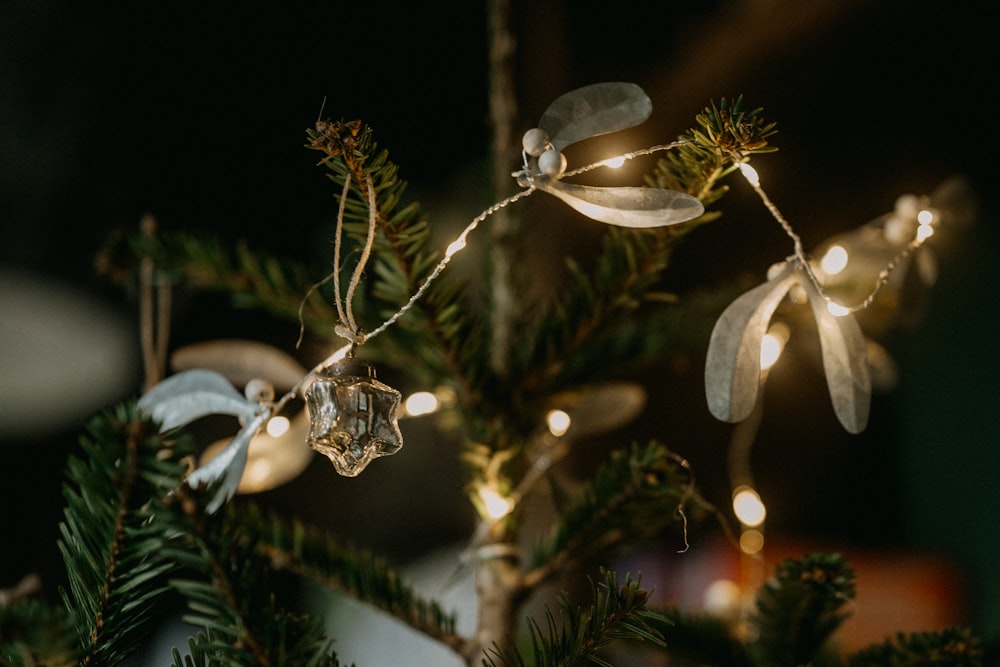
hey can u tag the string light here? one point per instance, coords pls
(749, 173)
(834, 260)
(773, 344)
(455, 247)
(837, 261)
(836, 309)
(751, 541)
(748, 507)
(558, 422)
(278, 426)
(421, 403)
(495, 505)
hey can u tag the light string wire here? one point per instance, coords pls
(452, 249)
(350, 330)
(802, 260)
(459, 243)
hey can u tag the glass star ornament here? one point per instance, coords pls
(589, 112)
(733, 373)
(353, 416)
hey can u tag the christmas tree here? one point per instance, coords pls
(515, 350)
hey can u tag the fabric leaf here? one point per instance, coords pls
(732, 367)
(594, 110)
(845, 362)
(227, 465)
(182, 398)
(627, 206)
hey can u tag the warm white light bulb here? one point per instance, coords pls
(455, 247)
(834, 261)
(558, 422)
(925, 217)
(496, 506)
(748, 507)
(722, 596)
(924, 232)
(614, 162)
(750, 174)
(751, 541)
(772, 345)
(278, 426)
(836, 309)
(421, 403)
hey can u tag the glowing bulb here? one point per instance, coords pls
(455, 247)
(750, 174)
(772, 345)
(722, 596)
(421, 403)
(748, 507)
(925, 217)
(924, 231)
(836, 309)
(558, 422)
(278, 426)
(834, 261)
(496, 506)
(614, 162)
(751, 541)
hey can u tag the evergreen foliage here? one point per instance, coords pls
(112, 541)
(135, 535)
(577, 637)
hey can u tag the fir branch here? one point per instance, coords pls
(231, 595)
(800, 608)
(954, 647)
(281, 287)
(636, 494)
(452, 345)
(292, 546)
(617, 613)
(725, 135)
(112, 542)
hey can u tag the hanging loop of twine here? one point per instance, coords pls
(348, 327)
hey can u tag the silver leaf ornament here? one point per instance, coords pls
(588, 112)
(845, 363)
(594, 110)
(228, 465)
(732, 366)
(182, 398)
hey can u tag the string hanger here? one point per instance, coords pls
(348, 327)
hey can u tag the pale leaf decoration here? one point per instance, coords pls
(227, 466)
(733, 369)
(625, 206)
(591, 111)
(191, 395)
(594, 110)
(182, 398)
(845, 362)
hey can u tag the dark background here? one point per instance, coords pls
(197, 114)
